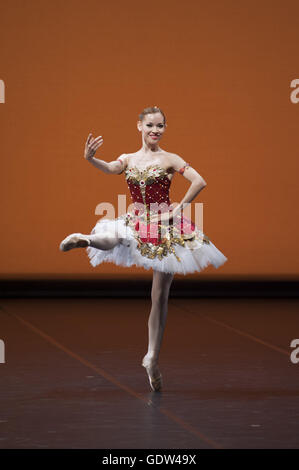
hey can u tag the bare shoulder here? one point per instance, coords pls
(180, 165)
(175, 161)
(129, 157)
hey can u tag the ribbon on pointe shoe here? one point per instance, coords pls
(155, 383)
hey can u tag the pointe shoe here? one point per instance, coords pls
(155, 382)
(75, 240)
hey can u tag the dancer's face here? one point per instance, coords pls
(152, 128)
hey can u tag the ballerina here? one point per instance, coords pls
(152, 235)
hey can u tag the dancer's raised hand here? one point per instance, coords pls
(91, 146)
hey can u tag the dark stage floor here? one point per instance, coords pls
(72, 376)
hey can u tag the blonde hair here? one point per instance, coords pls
(151, 110)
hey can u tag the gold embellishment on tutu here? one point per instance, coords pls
(188, 236)
(152, 251)
(170, 236)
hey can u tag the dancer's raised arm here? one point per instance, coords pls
(91, 146)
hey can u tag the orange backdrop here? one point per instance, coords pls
(221, 72)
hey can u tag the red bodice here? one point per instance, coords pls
(149, 189)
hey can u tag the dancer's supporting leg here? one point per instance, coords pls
(156, 324)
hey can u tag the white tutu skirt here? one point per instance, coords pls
(188, 256)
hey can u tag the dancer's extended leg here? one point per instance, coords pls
(156, 325)
(98, 240)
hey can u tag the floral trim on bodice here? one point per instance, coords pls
(146, 176)
(168, 235)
